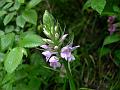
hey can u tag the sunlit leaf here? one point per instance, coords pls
(33, 3)
(20, 21)
(31, 40)
(13, 59)
(98, 5)
(30, 16)
(7, 41)
(8, 18)
(111, 39)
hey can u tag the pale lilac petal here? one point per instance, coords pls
(71, 58)
(44, 46)
(112, 28)
(66, 52)
(54, 62)
(75, 47)
(47, 54)
(111, 19)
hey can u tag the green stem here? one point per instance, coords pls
(69, 76)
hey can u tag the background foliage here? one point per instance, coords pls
(97, 64)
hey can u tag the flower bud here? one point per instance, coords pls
(48, 41)
(56, 47)
(63, 37)
(56, 35)
(45, 32)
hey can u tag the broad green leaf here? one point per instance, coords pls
(8, 77)
(7, 41)
(117, 57)
(1, 33)
(117, 53)
(30, 16)
(9, 29)
(20, 21)
(34, 84)
(31, 40)
(13, 59)
(48, 20)
(8, 5)
(2, 55)
(111, 39)
(21, 1)
(33, 3)
(16, 6)
(2, 2)
(7, 86)
(9, 0)
(116, 8)
(104, 51)
(98, 5)
(20, 74)
(87, 4)
(2, 13)
(8, 18)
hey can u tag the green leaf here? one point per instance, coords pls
(16, 6)
(20, 21)
(87, 4)
(98, 5)
(31, 40)
(33, 3)
(8, 5)
(111, 39)
(8, 18)
(1, 33)
(21, 1)
(7, 86)
(2, 55)
(7, 41)
(9, 29)
(104, 51)
(2, 2)
(48, 20)
(117, 57)
(34, 84)
(30, 16)
(8, 77)
(2, 13)
(13, 59)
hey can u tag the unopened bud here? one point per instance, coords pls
(56, 47)
(56, 28)
(45, 32)
(63, 37)
(56, 35)
(48, 41)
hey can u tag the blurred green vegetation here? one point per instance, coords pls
(89, 70)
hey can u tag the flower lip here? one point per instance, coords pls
(54, 62)
(44, 46)
(66, 52)
(47, 54)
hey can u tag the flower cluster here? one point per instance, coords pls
(52, 49)
(51, 53)
(111, 26)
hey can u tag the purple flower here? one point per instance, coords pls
(66, 52)
(47, 54)
(44, 46)
(112, 28)
(111, 19)
(54, 62)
